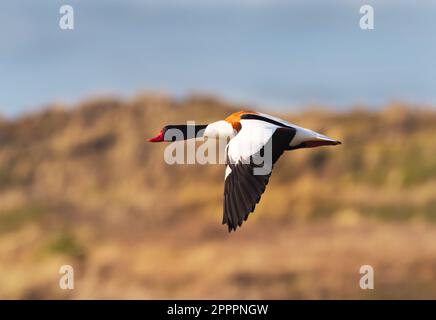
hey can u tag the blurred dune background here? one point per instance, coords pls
(82, 186)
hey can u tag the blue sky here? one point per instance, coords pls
(275, 54)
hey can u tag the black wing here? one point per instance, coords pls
(242, 188)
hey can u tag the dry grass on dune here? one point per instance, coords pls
(82, 186)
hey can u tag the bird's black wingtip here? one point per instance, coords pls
(231, 228)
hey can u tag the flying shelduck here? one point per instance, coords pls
(253, 136)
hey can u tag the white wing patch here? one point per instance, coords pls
(252, 137)
(228, 171)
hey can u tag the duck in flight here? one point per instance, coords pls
(257, 140)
